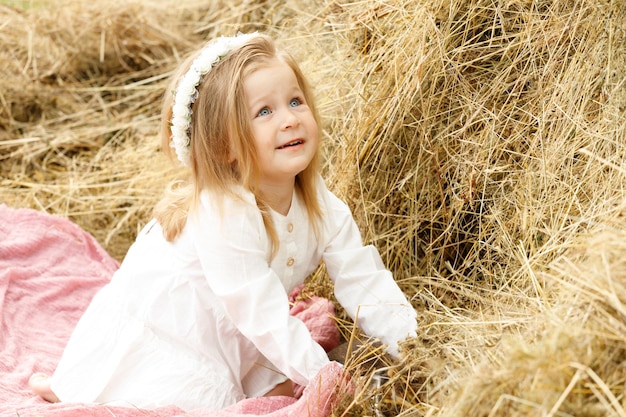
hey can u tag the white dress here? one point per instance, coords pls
(204, 321)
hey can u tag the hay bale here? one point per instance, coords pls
(79, 93)
(484, 132)
(570, 362)
(473, 119)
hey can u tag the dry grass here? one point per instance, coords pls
(481, 144)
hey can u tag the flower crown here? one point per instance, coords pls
(186, 91)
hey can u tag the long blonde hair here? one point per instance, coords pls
(221, 133)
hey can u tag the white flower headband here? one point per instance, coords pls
(186, 92)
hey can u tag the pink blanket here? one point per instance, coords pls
(49, 270)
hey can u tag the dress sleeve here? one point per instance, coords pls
(363, 286)
(233, 249)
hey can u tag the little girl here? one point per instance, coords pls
(198, 313)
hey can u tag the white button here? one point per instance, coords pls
(290, 227)
(290, 261)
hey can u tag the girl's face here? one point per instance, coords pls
(285, 132)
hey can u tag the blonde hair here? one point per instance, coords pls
(223, 155)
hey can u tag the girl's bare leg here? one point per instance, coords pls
(40, 384)
(284, 388)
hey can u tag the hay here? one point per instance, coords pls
(480, 143)
(491, 138)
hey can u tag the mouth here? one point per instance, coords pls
(295, 142)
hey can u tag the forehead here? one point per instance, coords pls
(269, 76)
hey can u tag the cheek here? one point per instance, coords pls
(313, 129)
(258, 137)
(261, 131)
(307, 118)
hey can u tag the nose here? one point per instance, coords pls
(289, 119)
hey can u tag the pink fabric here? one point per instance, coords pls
(49, 270)
(319, 315)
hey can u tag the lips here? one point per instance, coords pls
(294, 142)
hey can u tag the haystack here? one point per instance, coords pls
(480, 144)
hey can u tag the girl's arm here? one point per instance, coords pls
(363, 286)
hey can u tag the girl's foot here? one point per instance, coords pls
(39, 383)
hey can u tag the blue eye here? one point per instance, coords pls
(263, 112)
(295, 102)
